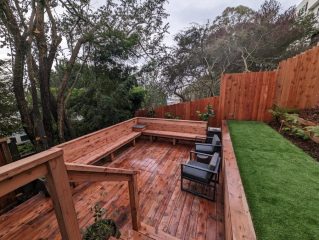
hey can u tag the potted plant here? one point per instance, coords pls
(101, 229)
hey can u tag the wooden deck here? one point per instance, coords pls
(163, 207)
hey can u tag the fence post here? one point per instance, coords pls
(60, 192)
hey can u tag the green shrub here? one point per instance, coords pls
(206, 115)
(170, 115)
(314, 130)
(101, 229)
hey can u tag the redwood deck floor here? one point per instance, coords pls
(162, 204)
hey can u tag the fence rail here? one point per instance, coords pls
(249, 96)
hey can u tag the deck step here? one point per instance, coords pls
(147, 232)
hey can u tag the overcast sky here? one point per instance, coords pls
(184, 12)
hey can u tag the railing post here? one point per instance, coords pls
(134, 202)
(60, 192)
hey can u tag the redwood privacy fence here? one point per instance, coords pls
(250, 95)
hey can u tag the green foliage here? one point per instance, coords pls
(279, 112)
(170, 115)
(277, 178)
(9, 117)
(240, 39)
(289, 121)
(150, 113)
(204, 116)
(137, 96)
(101, 229)
(313, 130)
(26, 148)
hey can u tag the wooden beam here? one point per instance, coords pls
(134, 202)
(15, 168)
(10, 184)
(75, 176)
(92, 168)
(60, 192)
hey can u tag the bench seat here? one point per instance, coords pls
(175, 135)
(104, 151)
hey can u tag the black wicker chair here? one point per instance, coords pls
(204, 174)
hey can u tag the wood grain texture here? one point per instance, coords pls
(238, 221)
(298, 81)
(186, 110)
(94, 146)
(174, 126)
(247, 96)
(164, 208)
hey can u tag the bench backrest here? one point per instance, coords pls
(172, 125)
(81, 146)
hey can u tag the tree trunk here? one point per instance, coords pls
(44, 73)
(39, 132)
(63, 88)
(18, 70)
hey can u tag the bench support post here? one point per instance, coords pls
(174, 141)
(134, 142)
(151, 138)
(112, 156)
(134, 202)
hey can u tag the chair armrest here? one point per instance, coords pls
(205, 144)
(199, 168)
(201, 153)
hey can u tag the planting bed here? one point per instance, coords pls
(280, 181)
(310, 114)
(309, 146)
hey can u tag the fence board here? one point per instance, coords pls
(298, 81)
(249, 96)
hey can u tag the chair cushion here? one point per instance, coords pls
(216, 140)
(213, 162)
(204, 148)
(197, 174)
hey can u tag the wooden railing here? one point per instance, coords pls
(50, 164)
(88, 173)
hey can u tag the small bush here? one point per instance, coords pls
(101, 229)
(206, 115)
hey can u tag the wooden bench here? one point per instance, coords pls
(93, 147)
(175, 129)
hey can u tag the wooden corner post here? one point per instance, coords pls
(134, 202)
(60, 191)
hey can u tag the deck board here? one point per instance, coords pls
(162, 204)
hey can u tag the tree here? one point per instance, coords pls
(238, 40)
(34, 31)
(9, 117)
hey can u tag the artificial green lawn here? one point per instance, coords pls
(281, 182)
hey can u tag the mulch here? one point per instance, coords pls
(307, 146)
(311, 114)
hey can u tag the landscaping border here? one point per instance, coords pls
(238, 221)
